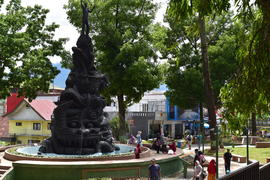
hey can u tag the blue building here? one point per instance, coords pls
(179, 120)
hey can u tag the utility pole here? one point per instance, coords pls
(216, 152)
(247, 145)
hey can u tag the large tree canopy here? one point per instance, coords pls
(121, 34)
(247, 93)
(179, 43)
(26, 44)
(186, 9)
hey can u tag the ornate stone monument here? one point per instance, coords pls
(79, 124)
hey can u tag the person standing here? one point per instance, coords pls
(132, 139)
(201, 158)
(139, 137)
(154, 170)
(227, 160)
(137, 151)
(198, 170)
(189, 141)
(199, 140)
(196, 157)
(211, 169)
(157, 145)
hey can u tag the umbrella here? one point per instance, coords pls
(189, 115)
(206, 125)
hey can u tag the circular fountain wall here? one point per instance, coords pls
(31, 153)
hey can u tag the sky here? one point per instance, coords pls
(58, 15)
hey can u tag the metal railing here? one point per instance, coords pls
(265, 172)
(249, 172)
(147, 115)
(30, 132)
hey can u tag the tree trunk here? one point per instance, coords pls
(207, 80)
(201, 119)
(253, 124)
(265, 7)
(121, 114)
(202, 126)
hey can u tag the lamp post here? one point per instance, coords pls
(216, 130)
(247, 146)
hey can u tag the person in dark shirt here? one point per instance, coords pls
(227, 160)
(196, 156)
(154, 171)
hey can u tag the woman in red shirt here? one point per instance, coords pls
(212, 170)
(173, 146)
(137, 151)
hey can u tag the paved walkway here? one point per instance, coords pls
(221, 166)
(3, 161)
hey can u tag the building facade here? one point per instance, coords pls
(30, 122)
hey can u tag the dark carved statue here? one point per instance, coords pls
(79, 124)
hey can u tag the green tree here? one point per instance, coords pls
(184, 9)
(184, 75)
(120, 31)
(26, 46)
(247, 94)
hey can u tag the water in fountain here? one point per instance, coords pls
(33, 151)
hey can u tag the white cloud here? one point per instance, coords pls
(58, 15)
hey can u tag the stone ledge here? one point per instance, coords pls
(14, 157)
(262, 144)
(238, 158)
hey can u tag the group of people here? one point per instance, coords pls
(199, 162)
(160, 144)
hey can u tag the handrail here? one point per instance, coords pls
(243, 170)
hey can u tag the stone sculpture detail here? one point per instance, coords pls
(79, 124)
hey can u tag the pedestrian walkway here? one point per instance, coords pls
(3, 161)
(221, 166)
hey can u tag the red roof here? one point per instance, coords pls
(43, 107)
(13, 101)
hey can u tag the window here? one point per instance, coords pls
(171, 113)
(18, 124)
(144, 107)
(49, 126)
(36, 126)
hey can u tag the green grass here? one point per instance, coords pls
(259, 154)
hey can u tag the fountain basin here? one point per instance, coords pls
(36, 168)
(31, 153)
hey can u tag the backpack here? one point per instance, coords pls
(204, 174)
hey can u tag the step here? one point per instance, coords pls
(2, 171)
(4, 167)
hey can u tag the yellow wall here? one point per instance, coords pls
(26, 132)
(25, 139)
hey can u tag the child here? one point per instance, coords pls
(137, 151)
(173, 146)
